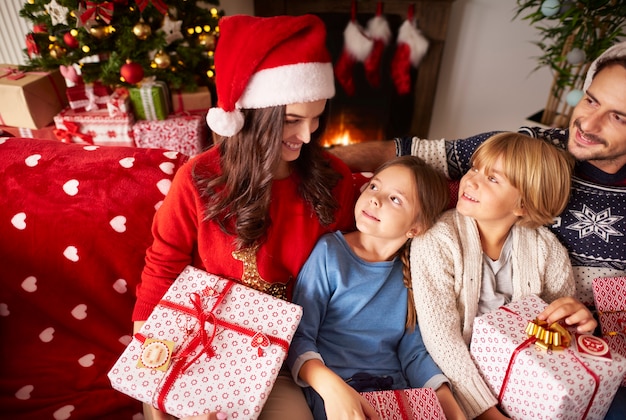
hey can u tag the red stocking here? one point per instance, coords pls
(411, 48)
(378, 30)
(357, 46)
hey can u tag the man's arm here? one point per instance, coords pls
(366, 156)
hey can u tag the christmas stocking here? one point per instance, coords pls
(378, 30)
(411, 48)
(357, 46)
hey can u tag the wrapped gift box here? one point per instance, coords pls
(211, 344)
(46, 133)
(609, 294)
(194, 103)
(533, 382)
(30, 100)
(150, 101)
(403, 404)
(88, 97)
(94, 127)
(119, 102)
(183, 133)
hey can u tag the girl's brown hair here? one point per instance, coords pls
(433, 197)
(540, 171)
(239, 198)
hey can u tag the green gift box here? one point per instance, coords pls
(150, 101)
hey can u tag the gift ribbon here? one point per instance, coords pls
(158, 4)
(147, 100)
(180, 363)
(533, 340)
(71, 131)
(11, 73)
(93, 9)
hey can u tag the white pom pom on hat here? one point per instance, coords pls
(264, 62)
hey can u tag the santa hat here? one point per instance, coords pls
(265, 62)
(617, 50)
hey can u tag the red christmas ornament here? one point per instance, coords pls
(70, 40)
(132, 72)
(40, 28)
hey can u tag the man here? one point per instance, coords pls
(593, 225)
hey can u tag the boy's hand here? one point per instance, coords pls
(572, 311)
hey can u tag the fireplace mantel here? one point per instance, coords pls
(432, 16)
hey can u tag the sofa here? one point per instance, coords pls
(74, 226)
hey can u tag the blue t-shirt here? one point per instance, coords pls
(354, 319)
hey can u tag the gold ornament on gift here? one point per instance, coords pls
(142, 30)
(162, 60)
(206, 40)
(56, 51)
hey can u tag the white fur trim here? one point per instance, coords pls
(617, 50)
(356, 42)
(224, 123)
(412, 36)
(291, 84)
(378, 28)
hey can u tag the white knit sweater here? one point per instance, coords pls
(446, 267)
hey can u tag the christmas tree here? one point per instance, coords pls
(120, 42)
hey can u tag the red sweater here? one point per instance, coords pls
(181, 238)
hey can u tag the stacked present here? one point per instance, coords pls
(211, 344)
(610, 298)
(30, 100)
(555, 379)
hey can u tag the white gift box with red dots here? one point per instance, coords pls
(533, 382)
(228, 365)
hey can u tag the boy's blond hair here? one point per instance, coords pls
(540, 171)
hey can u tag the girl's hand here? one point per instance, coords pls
(347, 404)
(572, 311)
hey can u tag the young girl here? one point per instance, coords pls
(252, 207)
(490, 250)
(358, 331)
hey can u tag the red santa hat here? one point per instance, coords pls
(264, 62)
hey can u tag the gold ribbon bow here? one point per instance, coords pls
(553, 336)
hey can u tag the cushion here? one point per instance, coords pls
(75, 222)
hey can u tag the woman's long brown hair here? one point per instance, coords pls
(238, 200)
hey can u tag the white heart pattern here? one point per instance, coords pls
(125, 339)
(71, 253)
(171, 154)
(120, 286)
(71, 187)
(87, 360)
(164, 186)
(91, 148)
(32, 160)
(47, 335)
(127, 162)
(80, 312)
(30, 284)
(167, 167)
(118, 223)
(19, 221)
(4, 309)
(24, 392)
(63, 413)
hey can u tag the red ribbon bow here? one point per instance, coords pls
(93, 9)
(66, 136)
(158, 4)
(11, 73)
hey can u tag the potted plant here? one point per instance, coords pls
(572, 35)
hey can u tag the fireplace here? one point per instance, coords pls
(376, 113)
